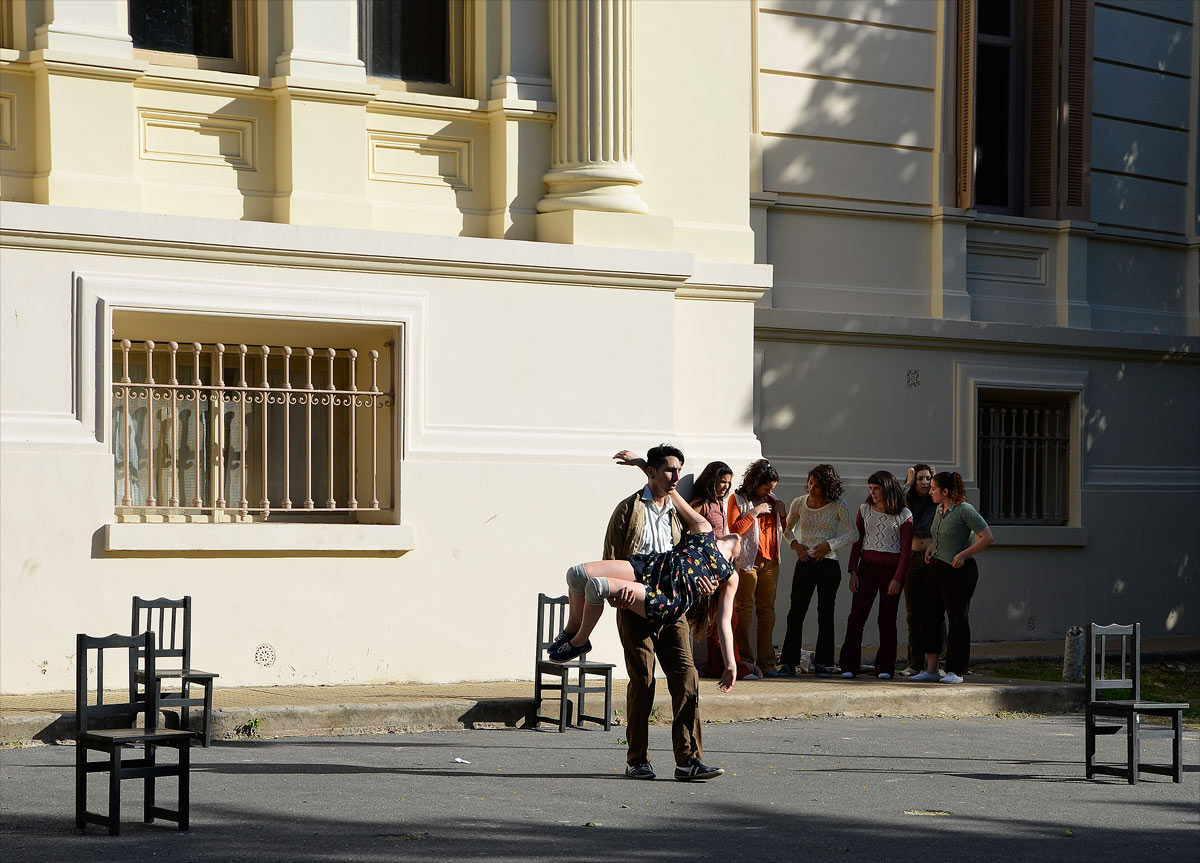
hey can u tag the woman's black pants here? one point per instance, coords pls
(822, 576)
(949, 590)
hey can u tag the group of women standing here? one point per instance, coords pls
(913, 540)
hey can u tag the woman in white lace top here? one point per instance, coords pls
(825, 525)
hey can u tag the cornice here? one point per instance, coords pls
(32, 226)
(788, 325)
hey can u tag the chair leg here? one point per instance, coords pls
(1177, 746)
(80, 785)
(1133, 745)
(185, 690)
(582, 711)
(114, 791)
(185, 773)
(537, 699)
(148, 791)
(1090, 747)
(207, 719)
(563, 707)
(608, 700)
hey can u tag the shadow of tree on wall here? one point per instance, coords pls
(850, 86)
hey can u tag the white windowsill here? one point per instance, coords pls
(326, 539)
(1028, 534)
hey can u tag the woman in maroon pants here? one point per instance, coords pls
(878, 560)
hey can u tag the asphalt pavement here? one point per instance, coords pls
(878, 789)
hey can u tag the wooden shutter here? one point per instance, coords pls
(1058, 155)
(1077, 144)
(1042, 141)
(965, 121)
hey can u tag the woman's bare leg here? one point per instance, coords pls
(584, 615)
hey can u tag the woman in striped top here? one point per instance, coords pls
(878, 560)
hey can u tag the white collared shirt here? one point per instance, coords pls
(657, 534)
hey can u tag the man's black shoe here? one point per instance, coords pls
(641, 770)
(693, 770)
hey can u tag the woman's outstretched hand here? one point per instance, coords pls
(629, 457)
(727, 680)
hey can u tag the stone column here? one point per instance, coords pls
(591, 164)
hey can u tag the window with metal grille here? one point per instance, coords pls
(239, 433)
(1024, 451)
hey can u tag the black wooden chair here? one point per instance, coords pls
(1105, 672)
(171, 622)
(552, 614)
(92, 732)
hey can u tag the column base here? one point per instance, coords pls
(601, 228)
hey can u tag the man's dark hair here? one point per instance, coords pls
(657, 457)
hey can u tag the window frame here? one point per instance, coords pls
(247, 439)
(1024, 400)
(460, 25)
(1069, 383)
(1062, 190)
(243, 23)
(98, 295)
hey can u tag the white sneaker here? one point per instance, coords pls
(925, 677)
(847, 674)
(952, 678)
(908, 672)
(883, 675)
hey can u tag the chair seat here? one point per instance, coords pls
(1140, 706)
(545, 666)
(136, 735)
(193, 674)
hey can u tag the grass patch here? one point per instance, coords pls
(1162, 680)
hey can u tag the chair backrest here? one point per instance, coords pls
(135, 647)
(552, 617)
(171, 622)
(1116, 665)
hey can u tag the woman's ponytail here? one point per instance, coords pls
(952, 485)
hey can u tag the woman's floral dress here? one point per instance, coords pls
(670, 577)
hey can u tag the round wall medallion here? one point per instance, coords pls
(264, 655)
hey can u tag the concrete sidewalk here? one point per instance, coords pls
(288, 711)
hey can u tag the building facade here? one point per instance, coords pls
(330, 313)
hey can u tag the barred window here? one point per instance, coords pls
(1024, 451)
(212, 432)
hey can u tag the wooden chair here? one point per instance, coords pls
(1104, 672)
(171, 622)
(552, 615)
(113, 741)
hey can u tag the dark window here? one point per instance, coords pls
(406, 39)
(1024, 108)
(201, 27)
(999, 94)
(1024, 451)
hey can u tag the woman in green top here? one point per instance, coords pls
(952, 577)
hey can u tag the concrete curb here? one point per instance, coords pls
(331, 720)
